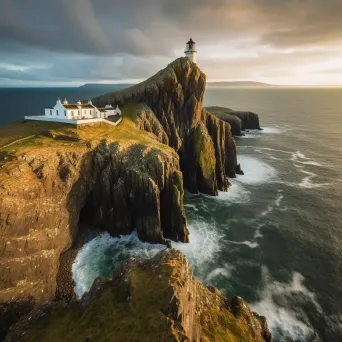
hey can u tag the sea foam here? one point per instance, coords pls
(255, 171)
(100, 256)
(284, 321)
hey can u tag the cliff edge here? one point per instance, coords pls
(117, 178)
(146, 300)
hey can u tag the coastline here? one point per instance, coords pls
(65, 289)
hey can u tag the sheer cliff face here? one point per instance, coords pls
(173, 307)
(173, 112)
(45, 190)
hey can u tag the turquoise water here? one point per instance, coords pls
(276, 237)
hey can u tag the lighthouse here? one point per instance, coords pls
(190, 50)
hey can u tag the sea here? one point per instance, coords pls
(275, 238)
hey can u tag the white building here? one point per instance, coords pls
(79, 113)
(190, 50)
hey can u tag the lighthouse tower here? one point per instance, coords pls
(190, 50)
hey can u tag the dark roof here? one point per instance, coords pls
(191, 41)
(70, 106)
(104, 109)
(75, 106)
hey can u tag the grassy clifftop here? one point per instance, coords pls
(49, 173)
(25, 135)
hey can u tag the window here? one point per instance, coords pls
(57, 111)
(50, 111)
(65, 113)
(72, 113)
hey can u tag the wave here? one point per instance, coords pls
(257, 233)
(307, 183)
(100, 256)
(225, 271)
(271, 130)
(255, 171)
(279, 198)
(236, 194)
(250, 244)
(283, 321)
(255, 133)
(204, 244)
(299, 157)
(192, 206)
(248, 147)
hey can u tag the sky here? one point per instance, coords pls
(72, 42)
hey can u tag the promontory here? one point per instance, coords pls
(118, 179)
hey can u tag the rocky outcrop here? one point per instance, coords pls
(137, 187)
(146, 300)
(49, 184)
(147, 121)
(10, 313)
(249, 120)
(238, 120)
(172, 111)
(224, 114)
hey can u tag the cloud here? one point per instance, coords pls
(113, 39)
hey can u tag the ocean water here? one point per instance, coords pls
(275, 238)
(19, 102)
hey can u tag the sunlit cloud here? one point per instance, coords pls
(279, 42)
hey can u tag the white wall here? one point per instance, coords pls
(72, 122)
(58, 111)
(110, 112)
(191, 53)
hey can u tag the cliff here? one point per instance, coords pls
(172, 101)
(117, 178)
(238, 120)
(146, 300)
(54, 176)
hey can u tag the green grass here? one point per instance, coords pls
(35, 137)
(27, 134)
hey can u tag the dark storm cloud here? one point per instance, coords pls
(113, 39)
(147, 27)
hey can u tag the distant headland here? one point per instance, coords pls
(239, 84)
(118, 86)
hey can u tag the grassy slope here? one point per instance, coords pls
(27, 136)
